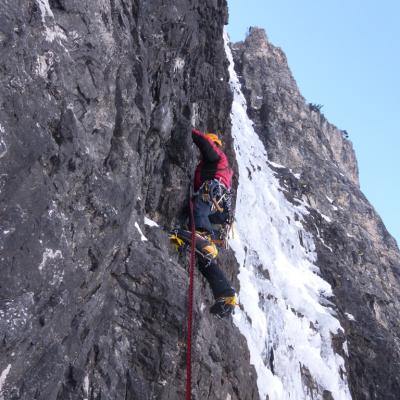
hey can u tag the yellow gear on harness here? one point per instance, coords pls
(176, 240)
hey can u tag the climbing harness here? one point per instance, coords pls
(215, 193)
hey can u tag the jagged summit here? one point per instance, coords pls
(273, 85)
(259, 48)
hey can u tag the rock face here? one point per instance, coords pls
(356, 254)
(97, 101)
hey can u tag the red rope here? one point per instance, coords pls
(190, 306)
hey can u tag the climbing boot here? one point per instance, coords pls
(224, 306)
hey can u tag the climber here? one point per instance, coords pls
(212, 185)
(213, 213)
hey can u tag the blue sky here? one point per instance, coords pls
(344, 55)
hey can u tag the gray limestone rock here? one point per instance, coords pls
(97, 102)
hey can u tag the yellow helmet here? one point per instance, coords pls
(214, 138)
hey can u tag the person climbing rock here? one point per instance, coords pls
(213, 214)
(212, 185)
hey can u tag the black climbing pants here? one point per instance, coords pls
(204, 217)
(216, 278)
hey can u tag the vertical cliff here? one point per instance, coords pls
(355, 253)
(96, 158)
(97, 101)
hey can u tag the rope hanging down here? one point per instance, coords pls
(190, 305)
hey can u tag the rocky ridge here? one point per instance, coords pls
(356, 254)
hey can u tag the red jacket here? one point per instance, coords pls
(214, 163)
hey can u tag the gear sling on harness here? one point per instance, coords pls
(213, 208)
(213, 192)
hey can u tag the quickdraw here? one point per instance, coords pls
(213, 192)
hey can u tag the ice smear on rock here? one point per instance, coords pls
(287, 328)
(52, 31)
(45, 10)
(142, 237)
(3, 378)
(149, 222)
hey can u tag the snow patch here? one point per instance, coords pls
(86, 386)
(178, 64)
(55, 33)
(282, 295)
(350, 317)
(45, 10)
(3, 148)
(53, 208)
(274, 164)
(3, 378)
(41, 67)
(332, 205)
(346, 348)
(49, 254)
(195, 114)
(149, 222)
(142, 237)
(323, 242)
(2, 130)
(325, 217)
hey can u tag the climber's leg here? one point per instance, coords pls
(216, 278)
(202, 211)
